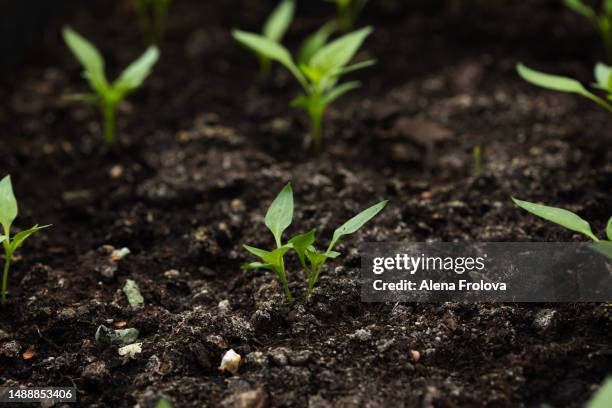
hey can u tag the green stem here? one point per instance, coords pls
(7, 265)
(477, 158)
(316, 119)
(264, 67)
(109, 110)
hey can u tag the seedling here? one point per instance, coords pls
(602, 21)
(274, 29)
(603, 82)
(152, 15)
(278, 219)
(348, 11)
(319, 74)
(8, 213)
(477, 158)
(108, 96)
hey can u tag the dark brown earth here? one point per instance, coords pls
(204, 148)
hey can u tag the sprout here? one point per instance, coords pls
(152, 16)
(108, 96)
(601, 21)
(8, 213)
(274, 29)
(318, 70)
(278, 218)
(564, 84)
(348, 11)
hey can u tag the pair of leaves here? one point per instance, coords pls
(326, 61)
(93, 63)
(564, 218)
(569, 85)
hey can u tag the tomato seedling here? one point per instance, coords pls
(8, 214)
(106, 95)
(602, 21)
(274, 29)
(559, 83)
(278, 219)
(317, 73)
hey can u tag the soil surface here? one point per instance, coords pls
(204, 148)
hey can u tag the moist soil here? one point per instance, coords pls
(205, 146)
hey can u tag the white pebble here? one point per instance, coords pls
(230, 361)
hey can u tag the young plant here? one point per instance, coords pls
(108, 95)
(274, 29)
(603, 78)
(572, 222)
(319, 74)
(348, 11)
(152, 15)
(278, 219)
(8, 213)
(602, 21)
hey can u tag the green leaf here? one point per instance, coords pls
(134, 75)
(163, 403)
(565, 218)
(280, 213)
(602, 76)
(89, 57)
(609, 229)
(270, 49)
(340, 90)
(301, 243)
(355, 67)
(554, 82)
(315, 41)
(2, 238)
(603, 396)
(339, 52)
(277, 24)
(21, 236)
(260, 253)
(603, 247)
(8, 205)
(255, 265)
(579, 7)
(357, 222)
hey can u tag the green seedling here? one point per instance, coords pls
(477, 158)
(572, 222)
(106, 95)
(603, 396)
(348, 11)
(278, 219)
(319, 74)
(274, 29)
(152, 15)
(602, 21)
(603, 83)
(8, 214)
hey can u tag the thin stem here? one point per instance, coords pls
(7, 265)
(264, 67)
(316, 118)
(109, 109)
(477, 158)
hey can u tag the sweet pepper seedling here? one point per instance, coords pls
(152, 16)
(278, 219)
(8, 214)
(318, 71)
(348, 11)
(106, 95)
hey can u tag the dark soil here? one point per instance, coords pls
(204, 148)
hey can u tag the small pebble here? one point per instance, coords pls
(230, 362)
